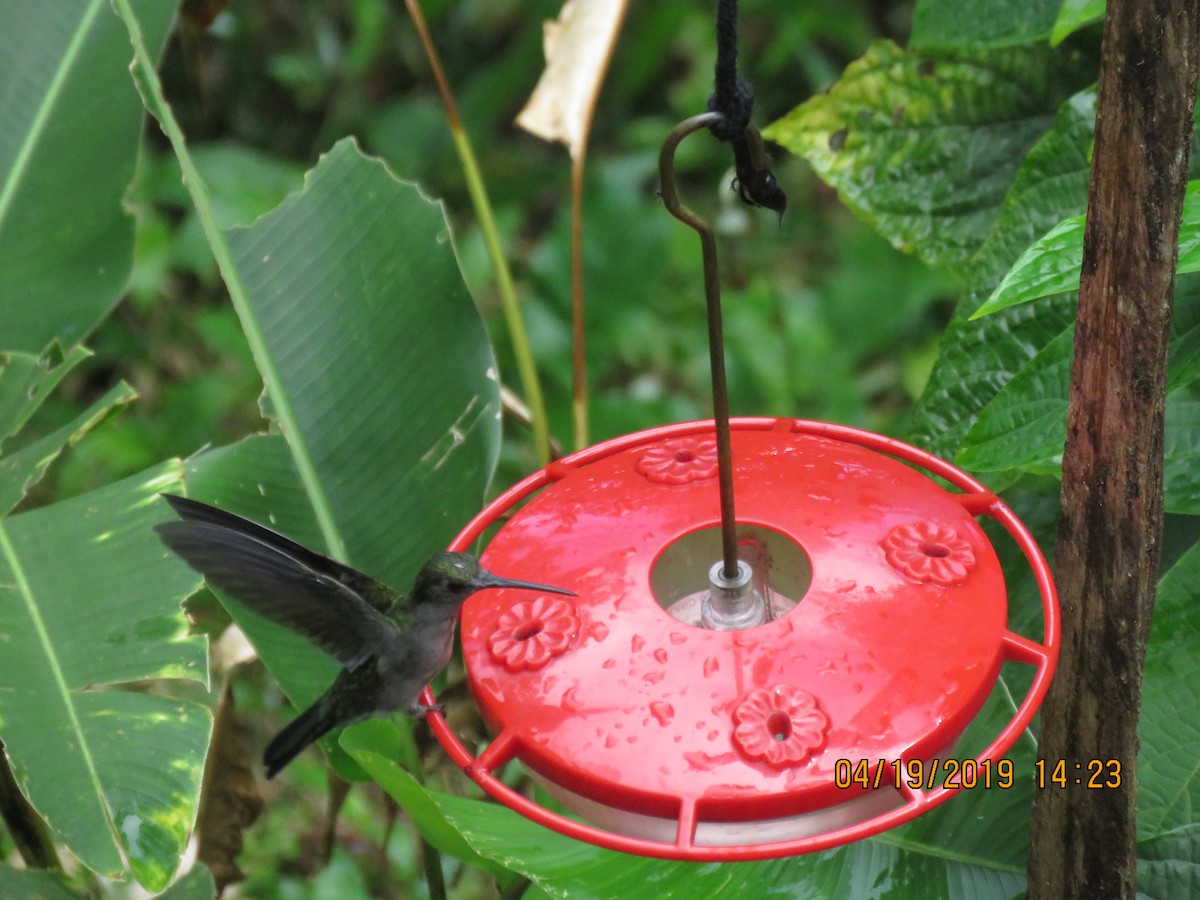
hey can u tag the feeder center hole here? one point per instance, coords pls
(782, 571)
(779, 724)
(684, 456)
(528, 630)
(934, 550)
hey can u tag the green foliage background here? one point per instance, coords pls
(933, 144)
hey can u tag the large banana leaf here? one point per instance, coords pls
(378, 353)
(377, 368)
(70, 122)
(380, 356)
(89, 601)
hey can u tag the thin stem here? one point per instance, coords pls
(431, 859)
(491, 238)
(579, 356)
(148, 84)
(338, 791)
(716, 339)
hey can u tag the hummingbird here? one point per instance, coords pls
(389, 644)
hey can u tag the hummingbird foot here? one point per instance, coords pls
(420, 709)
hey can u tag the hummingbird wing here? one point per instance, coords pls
(332, 605)
(372, 591)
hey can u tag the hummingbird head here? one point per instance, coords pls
(453, 577)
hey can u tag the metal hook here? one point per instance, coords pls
(716, 338)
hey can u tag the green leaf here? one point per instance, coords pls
(1181, 454)
(195, 885)
(1073, 16)
(981, 23)
(1169, 866)
(974, 845)
(22, 469)
(1184, 360)
(355, 275)
(924, 146)
(1053, 264)
(34, 884)
(563, 867)
(321, 281)
(376, 747)
(1168, 777)
(1025, 425)
(979, 357)
(376, 364)
(26, 379)
(329, 292)
(255, 477)
(244, 182)
(1053, 177)
(89, 600)
(1025, 428)
(945, 851)
(70, 124)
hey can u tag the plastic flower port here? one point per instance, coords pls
(781, 725)
(680, 461)
(531, 633)
(927, 551)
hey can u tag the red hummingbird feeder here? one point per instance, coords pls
(885, 629)
(796, 694)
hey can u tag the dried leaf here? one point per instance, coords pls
(578, 45)
(229, 798)
(231, 650)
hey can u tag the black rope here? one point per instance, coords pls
(733, 98)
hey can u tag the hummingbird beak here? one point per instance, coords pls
(488, 580)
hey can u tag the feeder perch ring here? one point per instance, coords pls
(886, 631)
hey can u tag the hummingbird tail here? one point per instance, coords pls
(311, 725)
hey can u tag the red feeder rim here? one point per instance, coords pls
(785, 771)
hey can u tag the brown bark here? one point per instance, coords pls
(1083, 840)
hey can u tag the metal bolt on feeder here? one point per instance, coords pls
(743, 685)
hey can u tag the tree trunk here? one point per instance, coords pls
(1083, 841)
